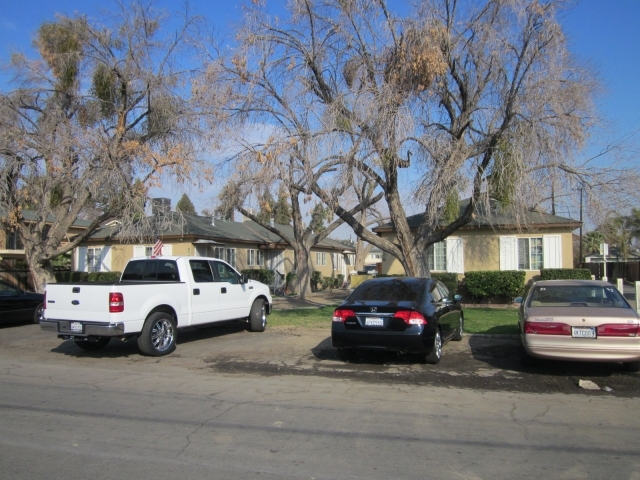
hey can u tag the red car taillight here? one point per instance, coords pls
(341, 314)
(411, 317)
(116, 302)
(618, 330)
(547, 328)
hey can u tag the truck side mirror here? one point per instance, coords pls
(243, 279)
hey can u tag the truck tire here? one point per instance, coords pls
(158, 336)
(258, 316)
(93, 343)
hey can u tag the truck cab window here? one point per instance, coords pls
(224, 273)
(201, 271)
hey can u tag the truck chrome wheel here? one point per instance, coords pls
(158, 336)
(258, 316)
(162, 335)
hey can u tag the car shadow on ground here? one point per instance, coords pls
(126, 348)
(505, 354)
(325, 351)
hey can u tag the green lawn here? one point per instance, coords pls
(477, 320)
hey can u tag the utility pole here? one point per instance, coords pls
(581, 257)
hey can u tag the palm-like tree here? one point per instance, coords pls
(591, 241)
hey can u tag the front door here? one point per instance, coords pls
(231, 292)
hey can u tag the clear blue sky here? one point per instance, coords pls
(607, 32)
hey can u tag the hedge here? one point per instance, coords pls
(76, 277)
(260, 275)
(565, 274)
(316, 280)
(507, 283)
(450, 280)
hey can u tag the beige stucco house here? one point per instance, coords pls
(496, 241)
(245, 245)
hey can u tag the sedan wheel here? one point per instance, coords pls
(436, 354)
(460, 330)
(39, 313)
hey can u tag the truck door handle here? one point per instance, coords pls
(196, 291)
(223, 290)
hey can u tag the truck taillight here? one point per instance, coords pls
(411, 317)
(547, 328)
(116, 303)
(341, 314)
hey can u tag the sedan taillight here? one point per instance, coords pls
(411, 317)
(116, 302)
(547, 328)
(341, 314)
(618, 330)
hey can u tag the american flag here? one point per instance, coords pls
(157, 248)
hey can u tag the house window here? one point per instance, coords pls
(321, 258)
(530, 254)
(218, 252)
(93, 259)
(231, 257)
(437, 257)
(14, 242)
(338, 262)
(255, 258)
(148, 251)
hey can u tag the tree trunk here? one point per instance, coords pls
(305, 269)
(361, 254)
(41, 272)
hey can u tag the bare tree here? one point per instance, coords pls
(103, 114)
(466, 98)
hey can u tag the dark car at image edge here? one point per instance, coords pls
(17, 305)
(404, 315)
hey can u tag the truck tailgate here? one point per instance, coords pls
(67, 301)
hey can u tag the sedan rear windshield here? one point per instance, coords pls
(395, 291)
(576, 296)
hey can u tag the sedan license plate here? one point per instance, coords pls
(374, 322)
(583, 332)
(75, 327)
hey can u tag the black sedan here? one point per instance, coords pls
(405, 315)
(16, 305)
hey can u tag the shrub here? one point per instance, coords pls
(331, 282)
(565, 274)
(482, 285)
(450, 280)
(340, 280)
(316, 280)
(260, 275)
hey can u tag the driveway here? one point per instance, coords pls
(477, 362)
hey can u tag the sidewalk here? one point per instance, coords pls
(318, 299)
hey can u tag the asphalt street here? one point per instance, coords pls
(234, 404)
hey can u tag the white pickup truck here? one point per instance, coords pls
(154, 297)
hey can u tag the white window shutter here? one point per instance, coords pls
(508, 253)
(105, 259)
(455, 255)
(138, 251)
(166, 250)
(552, 251)
(82, 259)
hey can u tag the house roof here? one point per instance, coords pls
(614, 256)
(32, 216)
(497, 216)
(201, 230)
